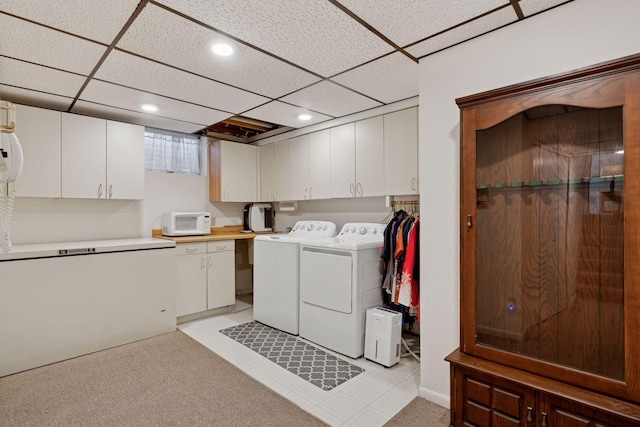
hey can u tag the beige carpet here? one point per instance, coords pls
(169, 380)
(420, 413)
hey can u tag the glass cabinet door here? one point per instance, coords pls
(550, 237)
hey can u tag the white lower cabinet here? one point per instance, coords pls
(59, 307)
(206, 276)
(221, 274)
(191, 290)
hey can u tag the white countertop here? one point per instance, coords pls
(43, 250)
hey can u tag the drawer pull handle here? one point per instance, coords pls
(190, 250)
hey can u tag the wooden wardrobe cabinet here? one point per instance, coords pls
(550, 252)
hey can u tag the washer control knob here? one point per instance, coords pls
(363, 230)
(353, 229)
(310, 227)
(374, 231)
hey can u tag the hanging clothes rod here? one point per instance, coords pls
(405, 202)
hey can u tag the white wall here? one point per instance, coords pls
(572, 36)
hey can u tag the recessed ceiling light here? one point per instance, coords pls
(222, 49)
(304, 116)
(149, 107)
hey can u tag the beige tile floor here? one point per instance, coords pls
(368, 400)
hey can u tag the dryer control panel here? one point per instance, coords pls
(362, 231)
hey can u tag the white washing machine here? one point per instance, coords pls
(276, 291)
(340, 279)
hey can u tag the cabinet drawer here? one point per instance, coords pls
(191, 248)
(221, 245)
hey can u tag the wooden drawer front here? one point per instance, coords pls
(502, 420)
(477, 391)
(221, 245)
(475, 414)
(477, 402)
(191, 248)
(564, 413)
(507, 402)
(568, 419)
(489, 404)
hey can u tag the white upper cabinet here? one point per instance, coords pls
(274, 172)
(39, 132)
(84, 157)
(343, 161)
(299, 167)
(281, 172)
(319, 165)
(267, 166)
(401, 152)
(101, 159)
(357, 164)
(125, 161)
(369, 157)
(233, 172)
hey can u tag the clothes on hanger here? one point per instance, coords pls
(401, 256)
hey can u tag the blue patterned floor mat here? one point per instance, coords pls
(310, 363)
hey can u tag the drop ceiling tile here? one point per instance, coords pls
(408, 21)
(388, 79)
(465, 32)
(96, 20)
(313, 34)
(331, 99)
(112, 113)
(130, 99)
(531, 7)
(41, 45)
(171, 39)
(149, 76)
(30, 97)
(284, 114)
(31, 76)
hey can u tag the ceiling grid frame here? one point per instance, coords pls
(364, 81)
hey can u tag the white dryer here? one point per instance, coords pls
(340, 279)
(276, 291)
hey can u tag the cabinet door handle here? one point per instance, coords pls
(99, 191)
(271, 195)
(310, 189)
(210, 260)
(352, 189)
(359, 186)
(413, 184)
(544, 420)
(202, 262)
(110, 191)
(530, 416)
(306, 189)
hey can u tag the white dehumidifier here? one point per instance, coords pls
(383, 333)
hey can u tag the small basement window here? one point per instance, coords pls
(171, 152)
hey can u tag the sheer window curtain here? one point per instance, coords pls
(172, 152)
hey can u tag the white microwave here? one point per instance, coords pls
(186, 223)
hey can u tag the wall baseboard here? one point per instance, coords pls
(432, 396)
